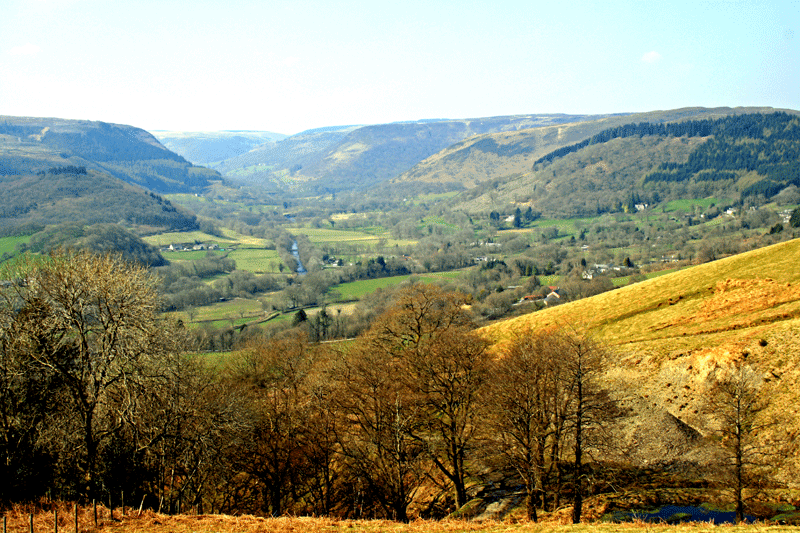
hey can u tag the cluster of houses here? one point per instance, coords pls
(553, 297)
(190, 247)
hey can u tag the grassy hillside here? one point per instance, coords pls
(275, 164)
(73, 194)
(30, 145)
(672, 336)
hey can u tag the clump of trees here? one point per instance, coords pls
(97, 396)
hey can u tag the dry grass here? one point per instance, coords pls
(671, 337)
(150, 522)
(721, 303)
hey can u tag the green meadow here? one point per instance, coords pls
(256, 260)
(8, 245)
(355, 290)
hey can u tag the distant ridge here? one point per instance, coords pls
(354, 158)
(211, 148)
(57, 171)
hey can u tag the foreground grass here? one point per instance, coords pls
(150, 522)
(248, 524)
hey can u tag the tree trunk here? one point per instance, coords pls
(739, 479)
(530, 504)
(577, 502)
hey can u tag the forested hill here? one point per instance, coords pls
(30, 145)
(741, 157)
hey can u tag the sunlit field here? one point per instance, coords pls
(256, 260)
(356, 290)
(8, 245)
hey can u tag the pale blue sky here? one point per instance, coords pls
(290, 65)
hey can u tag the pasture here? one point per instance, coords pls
(233, 312)
(355, 290)
(331, 235)
(8, 245)
(689, 205)
(188, 255)
(256, 260)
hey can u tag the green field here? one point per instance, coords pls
(192, 255)
(256, 260)
(439, 221)
(8, 245)
(549, 280)
(235, 311)
(355, 290)
(321, 235)
(365, 236)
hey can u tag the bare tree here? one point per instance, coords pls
(443, 367)
(737, 404)
(92, 321)
(274, 373)
(590, 406)
(527, 423)
(446, 380)
(378, 424)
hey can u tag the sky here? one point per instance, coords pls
(290, 65)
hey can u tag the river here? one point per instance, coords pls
(296, 253)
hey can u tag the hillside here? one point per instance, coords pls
(499, 166)
(73, 194)
(274, 165)
(213, 147)
(30, 145)
(355, 158)
(672, 336)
